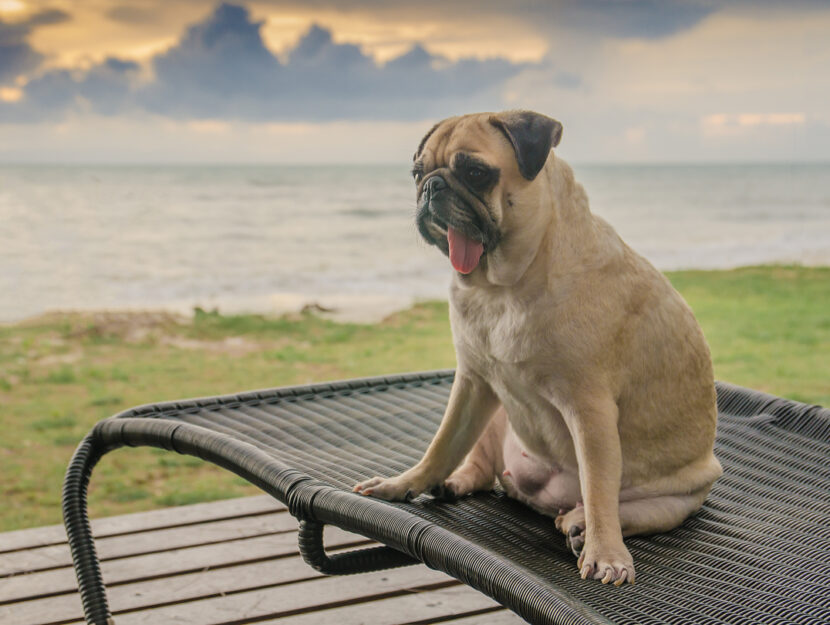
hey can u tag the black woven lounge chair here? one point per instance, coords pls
(757, 552)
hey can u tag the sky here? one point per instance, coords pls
(332, 81)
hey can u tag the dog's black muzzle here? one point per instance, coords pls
(433, 185)
(444, 202)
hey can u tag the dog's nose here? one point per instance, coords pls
(434, 184)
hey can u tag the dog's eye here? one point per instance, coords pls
(476, 176)
(417, 174)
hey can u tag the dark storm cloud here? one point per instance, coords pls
(221, 68)
(16, 55)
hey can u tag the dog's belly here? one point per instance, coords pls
(540, 483)
(537, 450)
(535, 422)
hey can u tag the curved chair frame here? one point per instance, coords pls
(757, 552)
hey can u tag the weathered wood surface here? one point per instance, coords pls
(222, 563)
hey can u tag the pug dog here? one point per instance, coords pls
(584, 384)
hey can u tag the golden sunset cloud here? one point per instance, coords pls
(101, 28)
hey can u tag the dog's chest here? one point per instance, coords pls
(495, 332)
(505, 343)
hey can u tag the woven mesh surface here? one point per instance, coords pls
(757, 552)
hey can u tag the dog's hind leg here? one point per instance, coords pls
(650, 515)
(482, 464)
(658, 514)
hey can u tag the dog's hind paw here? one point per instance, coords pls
(466, 479)
(575, 540)
(572, 525)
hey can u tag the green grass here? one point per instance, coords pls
(768, 327)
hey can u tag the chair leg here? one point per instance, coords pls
(358, 561)
(79, 533)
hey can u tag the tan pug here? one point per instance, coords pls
(584, 383)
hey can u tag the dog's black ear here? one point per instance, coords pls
(532, 136)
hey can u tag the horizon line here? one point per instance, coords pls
(402, 163)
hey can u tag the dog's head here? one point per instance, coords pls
(481, 200)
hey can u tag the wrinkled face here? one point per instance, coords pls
(481, 200)
(458, 171)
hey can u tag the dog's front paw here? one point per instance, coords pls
(403, 487)
(607, 564)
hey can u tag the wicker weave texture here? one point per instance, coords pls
(757, 552)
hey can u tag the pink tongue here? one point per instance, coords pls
(464, 253)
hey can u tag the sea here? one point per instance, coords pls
(341, 238)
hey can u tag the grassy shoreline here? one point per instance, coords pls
(768, 328)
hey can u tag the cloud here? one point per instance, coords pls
(131, 14)
(567, 80)
(724, 124)
(630, 80)
(221, 69)
(107, 88)
(17, 57)
(613, 18)
(649, 19)
(646, 19)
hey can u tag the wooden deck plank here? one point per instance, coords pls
(222, 563)
(122, 545)
(423, 606)
(287, 599)
(168, 563)
(500, 617)
(144, 521)
(188, 587)
(193, 587)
